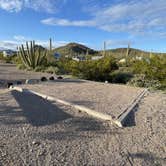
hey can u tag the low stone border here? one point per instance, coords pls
(122, 117)
(119, 122)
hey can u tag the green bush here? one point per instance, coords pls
(52, 70)
(7, 59)
(140, 80)
(120, 77)
(40, 69)
(98, 70)
(21, 66)
(153, 69)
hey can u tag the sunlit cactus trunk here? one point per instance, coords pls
(104, 52)
(127, 54)
(50, 44)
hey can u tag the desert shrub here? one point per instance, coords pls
(94, 70)
(52, 70)
(153, 69)
(120, 77)
(6, 59)
(21, 66)
(40, 69)
(17, 60)
(140, 80)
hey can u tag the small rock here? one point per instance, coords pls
(9, 84)
(31, 150)
(36, 143)
(31, 81)
(19, 82)
(51, 78)
(43, 79)
(59, 77)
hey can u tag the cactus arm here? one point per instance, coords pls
(23, 57)
(28, 53)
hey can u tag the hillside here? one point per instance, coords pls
(121, 52)
(73, 49)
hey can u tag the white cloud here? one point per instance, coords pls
(142, 17)
(65, 22)
(8, 44)
(11, 5)
(49, 6)
(19, 39)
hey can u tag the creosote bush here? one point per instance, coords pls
(52, 70)
(120, 77)
(150, 72)
(98, 70)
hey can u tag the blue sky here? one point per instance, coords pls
(91, 22)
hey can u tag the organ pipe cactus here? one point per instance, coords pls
(30, 56)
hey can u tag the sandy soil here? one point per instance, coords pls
(37, 132)
(104, 98)
(34, 131)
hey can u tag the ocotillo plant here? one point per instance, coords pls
(30, 57)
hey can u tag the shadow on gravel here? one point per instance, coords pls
(78, 128)
(39, 112)
(83, 103)
(68, 80)
(131, 121)
(149, 158)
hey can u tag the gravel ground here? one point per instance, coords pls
(9, 73)
(105, 98)
(37, 132)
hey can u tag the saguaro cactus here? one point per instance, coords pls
(128, 50)
(104, 52)
(127, 54)
(50, 44)
(30, 56)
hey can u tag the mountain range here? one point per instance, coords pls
(74, 49)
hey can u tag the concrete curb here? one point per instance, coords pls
(122, 117)
(119, 122)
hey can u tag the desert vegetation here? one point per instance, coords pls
(138, 68)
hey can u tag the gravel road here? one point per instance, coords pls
(9, 73)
